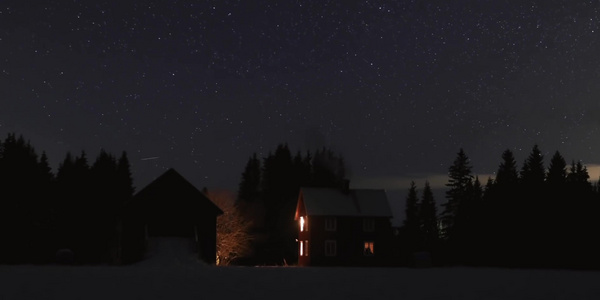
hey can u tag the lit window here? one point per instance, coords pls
(304, 248)
(369, 249)
(330, 248)
(302, 224)
(368, 225)
(330, 224)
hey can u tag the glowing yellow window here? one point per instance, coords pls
(304, 248)
(303, 225)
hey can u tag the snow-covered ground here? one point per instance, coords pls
(172, 275)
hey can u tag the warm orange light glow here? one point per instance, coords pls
(369, 248)
(302, 224)
(306, 246)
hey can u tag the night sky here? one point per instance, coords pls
(395, 87)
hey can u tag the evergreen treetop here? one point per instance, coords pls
(507, 174)
(533, 172)
(428, 217)
(557, 171)
(411, 221)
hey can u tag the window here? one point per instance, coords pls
(369, 249)
(303, 225)
(304, 248)
(330, 248)
(330, 224)
(368, 225)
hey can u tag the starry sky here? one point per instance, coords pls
(395, 87)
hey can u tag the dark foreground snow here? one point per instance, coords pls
(174, 279)
(202, 282)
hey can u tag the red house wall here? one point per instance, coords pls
(350, 238)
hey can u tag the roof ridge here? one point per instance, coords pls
(334, 202)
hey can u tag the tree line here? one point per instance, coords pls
(74, 215)
(531, 216)
(77, 208)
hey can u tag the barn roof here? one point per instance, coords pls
(174, 189)
(335, 202)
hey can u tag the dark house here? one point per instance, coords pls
(344, 227)
(170, 206)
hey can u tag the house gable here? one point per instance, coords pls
(173, 190)
(300, 208)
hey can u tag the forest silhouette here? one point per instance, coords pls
(532, 216)
(72, 216)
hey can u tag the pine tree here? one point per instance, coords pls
(98, 210)
(529, 218)
(73, 189)
(409, 235)
(20, 213)
(468, 231)
(249, 187)
(279, 196)
(103, 173)
(533, 172)
(582, 172)
(307, 172)
(551, 210)
(44, 169)
(507, 175)
(578, 216)
(302, 170)
(459, 179)
(428, 218)
(123, 193)
(489, 186)
(557, 171)
(411, 221)
(578, 174)
(124, 178)
(65, 168)
(502, 201)
(43, 213)
(275, 176)
(476, 193)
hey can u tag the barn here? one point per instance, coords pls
(170, 206)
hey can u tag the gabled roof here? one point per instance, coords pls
(172, 188)
(335, 202)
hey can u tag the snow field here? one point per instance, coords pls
(198, 281)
